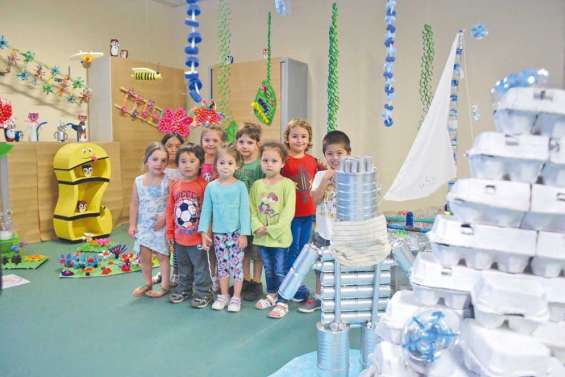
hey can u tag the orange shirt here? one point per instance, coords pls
(183, 211)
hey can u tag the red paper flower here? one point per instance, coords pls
(5, 111)
(177, 122)
(206, 114)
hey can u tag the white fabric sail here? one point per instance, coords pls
(430, 162)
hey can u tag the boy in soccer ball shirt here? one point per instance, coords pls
(183, 216)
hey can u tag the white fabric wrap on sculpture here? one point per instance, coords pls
(360, 243)
(430, 162)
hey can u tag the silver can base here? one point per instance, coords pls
(333, 351)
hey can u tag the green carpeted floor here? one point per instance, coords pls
(94, 327)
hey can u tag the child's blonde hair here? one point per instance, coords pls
(281, 149)
(229, 150)
(151, 148)
(302, 123)
(219, 129)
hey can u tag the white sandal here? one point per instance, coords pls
(269, 301)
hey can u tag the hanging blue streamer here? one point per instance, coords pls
(390, 59)
(192, 61)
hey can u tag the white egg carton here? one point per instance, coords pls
(549, 260)
(531, 110)
(481, 245)
(553, 172)
(499, 203)
(556, 368)
(555, 293)
(517, 158)
(498, 298)
(502, 353)
(448, 364)
(552, 334)
(401, 307)
(389, 361)
(547, 210)
(432, 283)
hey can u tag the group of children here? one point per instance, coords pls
(218, 208)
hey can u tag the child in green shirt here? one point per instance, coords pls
(272, 202)
(247, 144)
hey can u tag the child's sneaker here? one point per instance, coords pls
(178, 297)
(310, 305)
(221, 302)
(235, 305)
(201, 302)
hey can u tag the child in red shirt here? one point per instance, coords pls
(183, 216)
(301, 167)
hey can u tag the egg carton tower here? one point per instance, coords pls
(354, 272)
(489, 300)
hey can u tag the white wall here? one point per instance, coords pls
(522, 33)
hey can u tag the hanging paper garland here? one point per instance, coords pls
(333, 84)
(479, 31)
(426, 72)
(51, 80)
(281, 7)
(452, 122)
(191, 50)
(224, 70)
(265, 104)
(390, 58)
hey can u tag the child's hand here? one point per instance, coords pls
(160, 222)
(242, 242)
(261, 231)
(206, 241)
(132, 230)
(329, 175)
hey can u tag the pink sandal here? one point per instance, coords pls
(279, 311)
(269, 301)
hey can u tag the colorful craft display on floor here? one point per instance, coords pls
(48, 78)
(191, 50)
(113, 260)
(139, 107)
(390, 58)
(13, 258)
(265, 103)
(333, 81)
(426, 69)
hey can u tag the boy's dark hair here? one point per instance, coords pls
(252, 130)
(276, 146)
(336, 137)
(195, 149)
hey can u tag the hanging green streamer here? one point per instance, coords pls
(333, 87)
(224, 68)
(265, 103)
(426, 66)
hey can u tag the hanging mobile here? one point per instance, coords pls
(265, 104)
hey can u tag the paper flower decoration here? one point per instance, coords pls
(207, 114)
(78, 83)
(175, 122)
(3, 42)
(47, 88)
(55, 71)
(71, 98)
(28, 56)
(5, 111)
(23, 75)
(479, 31)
